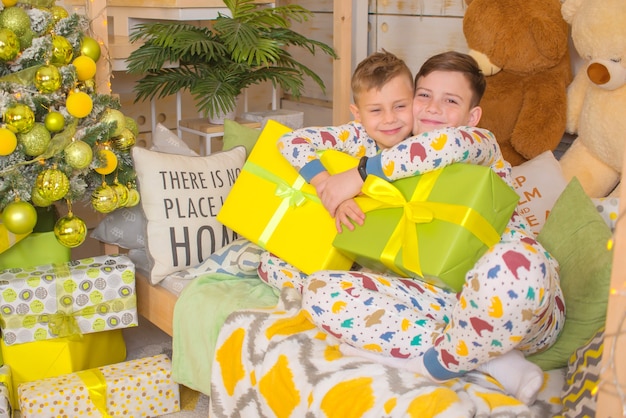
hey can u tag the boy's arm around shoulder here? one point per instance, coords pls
(436, 149)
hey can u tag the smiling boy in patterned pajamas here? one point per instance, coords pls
(511, 302)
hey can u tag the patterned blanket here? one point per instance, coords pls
(276, 363)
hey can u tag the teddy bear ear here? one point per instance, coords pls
(550, 37)
(569, 9)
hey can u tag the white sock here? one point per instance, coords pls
(415, 365)
(518, 376)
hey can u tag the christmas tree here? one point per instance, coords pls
(60, 140)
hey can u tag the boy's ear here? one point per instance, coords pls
(475, 114)
(355, 112)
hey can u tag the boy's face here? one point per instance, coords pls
(443, 99)
(386, 114)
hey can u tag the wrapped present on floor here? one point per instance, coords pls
(48, 358)
(136, 388)
(271, 205)
(434, 226)
(6, 388)
(67, 299)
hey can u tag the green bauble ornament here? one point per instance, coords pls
(52, 184)
(90, 47)
(19, 217)
(132, 125)
(36, 140)
(116, 117)
(54, 121)
(26, 40)
(48, 78)
(19, 118)
(122, 194)
(62, 52)
(133, 197)
(38, 200)
(78, 154)
(16, 19)
(104, 199)
(9, 44)
(70, 231)
(124, 141)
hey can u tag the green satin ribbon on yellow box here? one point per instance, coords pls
(434, 226)
(271, 205)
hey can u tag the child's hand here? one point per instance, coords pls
(333, 190)
(348, 213)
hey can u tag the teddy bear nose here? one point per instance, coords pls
(598, 73)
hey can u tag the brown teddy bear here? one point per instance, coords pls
(522, 47)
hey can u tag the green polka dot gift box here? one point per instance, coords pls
(67, 299)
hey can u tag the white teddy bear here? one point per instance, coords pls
(596, 102)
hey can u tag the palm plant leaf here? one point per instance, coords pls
(216, 63)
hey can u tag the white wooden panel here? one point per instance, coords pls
(320, 28)
(419, 7)
(416, 38)
(312, 5)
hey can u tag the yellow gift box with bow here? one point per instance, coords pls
(433, 226)
(271, 205)
(43, 359)
(67, 299)
(135, 388)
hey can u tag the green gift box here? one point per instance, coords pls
(434, 226)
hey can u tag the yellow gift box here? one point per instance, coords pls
(54, 357)
(273, 206)
(135, 388)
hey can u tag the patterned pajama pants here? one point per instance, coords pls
(511, 299)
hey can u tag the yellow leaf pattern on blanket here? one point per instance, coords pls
(439, 142)
(229, 358)
(461, 349)
(432, 403)
(284, 397)
(497, 400)
(291, 325)
(344, 135)
(388, 169)
(390, 405)
(350, 398)
(495, 310)
(338, 307)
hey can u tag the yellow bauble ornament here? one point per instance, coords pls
(19, 217)
(9, 3)
(133, 197)
(79, 104)
(110, 160)
(8, 141)
(85, 67)
(62, 51)
(39, 200)
(19, 118)
(9, 44)
(52, 184)
(124, 141)
(70, 231)
(78, 155)
(58, 13)
(48, 79)
(122, 194)
(104, 199)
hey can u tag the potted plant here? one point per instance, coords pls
(215, 64)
